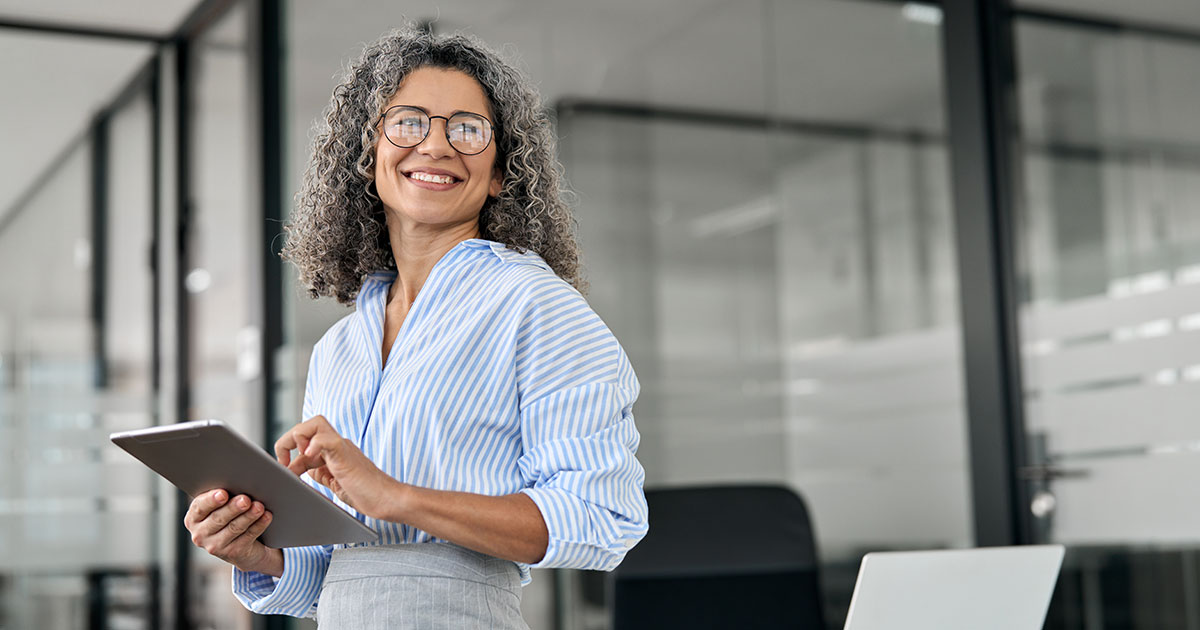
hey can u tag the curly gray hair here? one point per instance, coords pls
(337, 233)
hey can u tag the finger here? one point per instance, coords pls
(324, 444)
(203, 505)
(304, 462)
(322, 476)
(283, 448)
(314, 446)
(321, 449)
(296, 437)
(220, 517)
(256, 529)
(317, 425)
(237, 526)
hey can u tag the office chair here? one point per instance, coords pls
(721, 557)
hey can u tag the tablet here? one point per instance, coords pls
(205, 455)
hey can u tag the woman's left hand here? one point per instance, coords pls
(339, 465)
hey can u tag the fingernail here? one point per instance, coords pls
(243, 502)
(219, 496)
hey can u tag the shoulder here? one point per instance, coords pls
(502, 257)
(510, 256)
(524, 275)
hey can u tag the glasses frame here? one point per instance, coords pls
(445, 128)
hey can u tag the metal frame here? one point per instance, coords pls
(74, 30)
(269, 41)
(182, 402)
(830, 129)
(156, 186)
(271, 130)
(99, 256)
(1078, 20)
(979, 73)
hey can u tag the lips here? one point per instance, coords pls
(432, 181)
(432, 175)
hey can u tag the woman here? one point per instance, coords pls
(473, 409)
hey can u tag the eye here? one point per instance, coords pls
(408, 125)
(467, 130)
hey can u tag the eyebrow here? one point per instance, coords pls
(457, 111)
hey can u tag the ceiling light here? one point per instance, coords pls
(922, 13)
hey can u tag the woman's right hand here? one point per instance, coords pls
(229, 530)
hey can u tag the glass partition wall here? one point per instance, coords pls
(1110, 263)
(89, 332)
(780, 266)
(739, 289)
(79, 536)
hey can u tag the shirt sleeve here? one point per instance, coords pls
(576, 391)
(304, 568)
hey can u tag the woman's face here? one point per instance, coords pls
(420, 205)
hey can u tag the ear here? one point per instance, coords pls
(497, 183)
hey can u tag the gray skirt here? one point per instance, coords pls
(419, 586)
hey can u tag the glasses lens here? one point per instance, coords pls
(468, 133)
(406, 127)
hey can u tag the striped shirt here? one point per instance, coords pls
(501, 380)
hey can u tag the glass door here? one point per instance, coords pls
(1109, 255)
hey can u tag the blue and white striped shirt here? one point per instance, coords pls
(502, 379)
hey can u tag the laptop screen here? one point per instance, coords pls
(994, 588)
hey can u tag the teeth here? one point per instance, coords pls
(435, 179)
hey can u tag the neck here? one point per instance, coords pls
(416, 252)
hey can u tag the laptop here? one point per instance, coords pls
(993, 588)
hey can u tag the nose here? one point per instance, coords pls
(435, 145)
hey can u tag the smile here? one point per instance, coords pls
(433, 179)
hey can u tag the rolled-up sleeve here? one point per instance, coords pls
(295, 593)
(577, 389)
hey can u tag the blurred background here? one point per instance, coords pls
(934, 268)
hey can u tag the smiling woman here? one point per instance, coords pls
(473, 410)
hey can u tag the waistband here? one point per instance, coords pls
(430, 559)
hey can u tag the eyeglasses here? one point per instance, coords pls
(406, 126)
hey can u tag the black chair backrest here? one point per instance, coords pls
(721, 557)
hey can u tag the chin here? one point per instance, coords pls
(436, 217)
